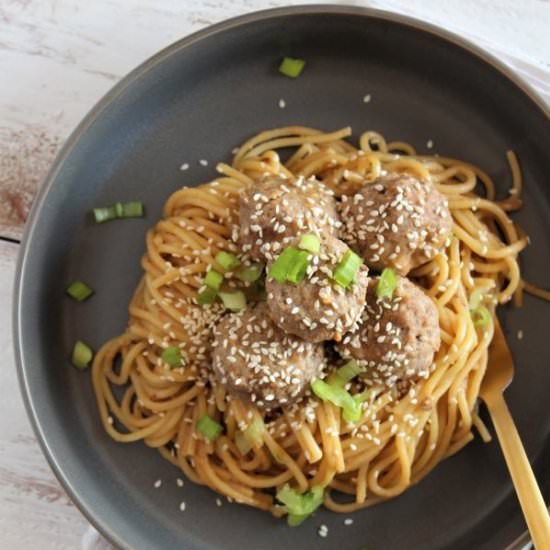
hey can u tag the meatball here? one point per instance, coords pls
(318, 308)
(255, 359)
(396, 221)
(274, 210)
(397, 337)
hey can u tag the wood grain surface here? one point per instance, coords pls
(57, 58)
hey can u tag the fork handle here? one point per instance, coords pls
(527, 489)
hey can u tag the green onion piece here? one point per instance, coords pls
(298, 269)
(311, 243)
(476, 298)
(172, 356)
(360, 398)
(234, 301)
(254, 432)
(133, 209)
(387, 283)
(481, 316)
(249, 273)
(300, 506)
(104, 214)
(119, 209)
(207, 296)
(79, 291)
(344, 374)
(345, 271)
(213, 279)
(226, 260)
(291, 66)
(82, 355)
(281, 266)
(209, 427)
(351, 410)
(242, 443)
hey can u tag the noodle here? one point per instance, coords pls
(402, 434)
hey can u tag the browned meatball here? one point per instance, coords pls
(274, 210)
(255, 359)
(396, 221)
(397, 337)
(318, 308)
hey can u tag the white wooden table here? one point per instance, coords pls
(57, 58)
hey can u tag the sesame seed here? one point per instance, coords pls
(282, 103)
(429, 144)
(179, 482)
(366, 98)
(218, 502)
(157, 483)
(203, 162)
(348, 521)
(184, 166)
(323, 531)
(110, 419)
(182, 506)
(520, 334)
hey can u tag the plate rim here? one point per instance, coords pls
(70, 486)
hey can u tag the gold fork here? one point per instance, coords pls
(500, 371)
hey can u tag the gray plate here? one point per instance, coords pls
(197, 100)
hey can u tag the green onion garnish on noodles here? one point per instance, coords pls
(209, 427)
(82, 355)
(207, 296)
(79, 291)
(351, 410)
(310, 242)
(298, 269)
(387, 283)
(249, 273)
(345, 374)
(300, 506)
(133, 209)
(291, 67)
(281, 266)
(172, 356)
(242, 443)
(234, 301)
(226, 260)
(345, 271)
(481, 316)
(213, 279)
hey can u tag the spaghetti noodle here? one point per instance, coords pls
(401, 436)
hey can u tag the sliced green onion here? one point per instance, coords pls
(291, 66)
(387, 283)
(79, 291)
(344, 374)
(242, 443)
(254, 432)
(82, 355)
(249, 273)
(234, 301)
(481, 316)
(360, 398)
(281, 266)
(300, 506)
(476, 297)
(105, 214)
(345, 271)
(133, 209)
(207, 296)
(298, 269)
(172, 356)
(213, 279)
(226, 260)
(310, 242)
(209, 427)
(351, 410)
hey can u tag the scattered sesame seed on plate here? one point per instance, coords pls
(203, 162)
(429, 144)
(182, 506)
(348, 521)
(218, 502)
(366, 98)
(323, 531)
(282, 103)
(184, 166)
(520, 334)
(179, 482)
(157, 484)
